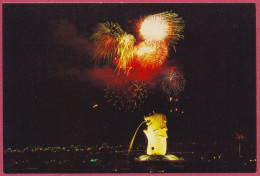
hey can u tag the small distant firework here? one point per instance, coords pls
(106, 41)
(95, 106)
(125, 52)
(138, 92)
(173, 83)
(151, 55)
(127, 98)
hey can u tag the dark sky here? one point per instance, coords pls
(44, 104)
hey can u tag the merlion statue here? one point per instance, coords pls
(156, 134)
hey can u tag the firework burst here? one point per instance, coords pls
(154, 28)
(166, 26)
(176, 24)
(125, 52)
(106, 40)
(173, 83)
(150, 55)
(127, 98)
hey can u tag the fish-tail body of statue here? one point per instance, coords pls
(156, 134)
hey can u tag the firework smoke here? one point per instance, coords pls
(67, 34)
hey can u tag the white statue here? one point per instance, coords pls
(156, 134)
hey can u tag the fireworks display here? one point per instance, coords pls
(93, 73)
(139, 62)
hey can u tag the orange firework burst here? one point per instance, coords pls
(157, 31)
(150, 55)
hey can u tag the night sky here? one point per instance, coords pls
(48, 99)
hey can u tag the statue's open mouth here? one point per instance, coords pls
(148, 122)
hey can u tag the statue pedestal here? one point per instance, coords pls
(159, 163)
(158, 158)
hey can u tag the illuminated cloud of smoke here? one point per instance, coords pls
(68, 35)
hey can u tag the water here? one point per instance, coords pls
(132, 141)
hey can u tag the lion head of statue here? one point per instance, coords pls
(156, 122)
